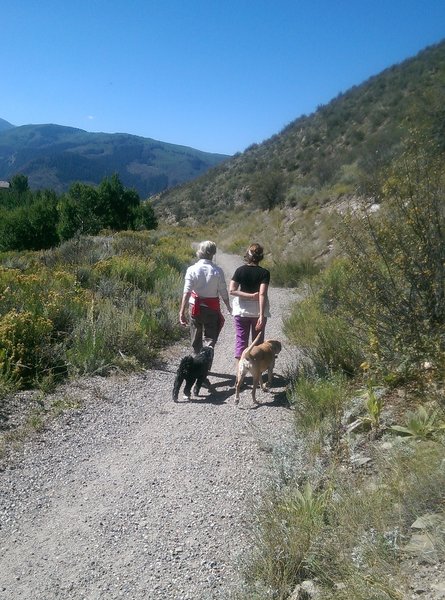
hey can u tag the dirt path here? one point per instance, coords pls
(133, 496)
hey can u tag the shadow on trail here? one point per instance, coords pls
(278, 399)
(224, 388)
(277, 395)
(216, 395)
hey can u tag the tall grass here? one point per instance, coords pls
(344, 531)
(91, 305)
(321, 330)
(291, 273)
(318, 400)
(288, 522)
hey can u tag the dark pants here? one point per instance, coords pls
(205, 325)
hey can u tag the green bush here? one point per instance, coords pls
(290, 273)
(23, 339)
(81, 251)
(109, 337)
(316, 400)
(30, 227)
(396, 269)
(326, 339)
(144, 216)
(139, 272)
(104, 310)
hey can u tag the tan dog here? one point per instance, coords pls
(257, 359)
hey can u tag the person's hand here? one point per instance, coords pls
(255, 296)
(183, 319)
(229, 309)
(259, 324)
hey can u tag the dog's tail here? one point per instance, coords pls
(248, 350)
(184, 366)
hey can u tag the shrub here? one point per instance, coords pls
(80, 251)
(396, 274)
(139, 272)
(23, 338)
(326, 339)
(103, 310)
(268, 190)
(139, 243)
(50, 294)
(317, 400)
(288, 522)
(290, 273)
(109, 337)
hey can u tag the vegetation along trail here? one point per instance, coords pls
(131, 495)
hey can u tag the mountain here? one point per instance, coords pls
(53, 157)
(4, 125)
(333, 152)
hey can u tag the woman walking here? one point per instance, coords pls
(204, 285)
(249, 286)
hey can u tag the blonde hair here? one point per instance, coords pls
(254, 254)
(206, 249)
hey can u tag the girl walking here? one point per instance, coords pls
(249, 286)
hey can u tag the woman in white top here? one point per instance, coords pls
(204, 285)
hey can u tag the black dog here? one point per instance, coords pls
(191, 369)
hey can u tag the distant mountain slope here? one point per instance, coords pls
(5, 125)
(53, 157)
(333, 151)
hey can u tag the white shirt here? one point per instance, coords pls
(245, 307)
(206, 279)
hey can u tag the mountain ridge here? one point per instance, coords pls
(336, 150)
(4, 125)
(54, 156)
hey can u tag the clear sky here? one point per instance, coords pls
(216, 75)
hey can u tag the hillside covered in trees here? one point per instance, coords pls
(53, 157)
(336, 151)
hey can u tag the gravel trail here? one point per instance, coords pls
(134, 496)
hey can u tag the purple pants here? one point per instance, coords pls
(244, 327)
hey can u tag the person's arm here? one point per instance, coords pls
(227, 303)
(262, 299)
(222, 290)
(235, 291)
(184, 306)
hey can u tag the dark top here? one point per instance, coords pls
(250, 278)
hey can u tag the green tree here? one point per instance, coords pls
(79, 212)
(116, 204)
(144, 216)
(86, 210)
(31, 227)
(14, 229)
(268, 190)
(19, 184)
(43, 218)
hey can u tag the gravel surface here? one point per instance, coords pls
(134, 496)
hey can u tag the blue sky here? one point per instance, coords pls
(217, 75)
